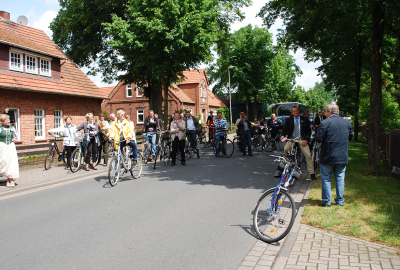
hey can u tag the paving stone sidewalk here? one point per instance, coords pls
(306, 247)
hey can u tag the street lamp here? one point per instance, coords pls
(230, 99)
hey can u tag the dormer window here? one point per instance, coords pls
(31, 64)
(16, 61)
(45, 67)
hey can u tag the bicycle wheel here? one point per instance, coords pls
(270, 145)
(157, 155)
(114, 171)
(166, 154)
(136, 168)
(274, 223)
(237, 144)
(76, 159)
(259, 144)
(315, 158)
(49, 158)
(228, 146)
(64, 155)
(201, 142)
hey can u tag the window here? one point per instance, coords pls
(31, 64)
(129, 90)
(16, 61)
(39, 124)
(14, 120)
(139, 91)
(45, 67)
(201, 91)
(140, 117)
(58, 119)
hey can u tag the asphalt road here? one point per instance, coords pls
(197, 216)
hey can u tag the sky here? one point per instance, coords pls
(41, 12)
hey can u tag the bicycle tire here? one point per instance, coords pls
(76, 159)
(166, 154)
(237, 144)
(157, 155)
(229, 149)
(136, 169)
(315, 158)
(272, 228)
(64, 155)
(114, 171)
(259, 144)
(201, 142)
(49, 158)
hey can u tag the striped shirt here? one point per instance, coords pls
(221, 126)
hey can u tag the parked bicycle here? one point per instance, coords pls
(275, 210)
(123, 162)
(163, 148)
(78, 155)
(53, 150)
(272, 143)
(226, 147)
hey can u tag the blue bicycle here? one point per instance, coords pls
(275, 211)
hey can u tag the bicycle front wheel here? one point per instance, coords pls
(76, 159)
(114, 171)
(49, 158)
(228, 146)
(259, 144)
(274, 216)
(136, 168)
(237, 144)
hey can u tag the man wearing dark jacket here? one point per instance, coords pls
(151, 124)
(244, 134)
(299, 127)
(318, 119)
(335, 134)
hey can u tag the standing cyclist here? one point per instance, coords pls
(151, 124)
(221, 127)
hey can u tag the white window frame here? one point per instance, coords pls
(21, 58)
(140, 112)
(58, 117)
(35, 58)
(137, 91)
(42, 118)
(48, 74)
(18, 122)
(129, 87)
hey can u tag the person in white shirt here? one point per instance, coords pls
(68, 130)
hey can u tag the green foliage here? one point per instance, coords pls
(105, 113)
(225, 113)
(315, 98)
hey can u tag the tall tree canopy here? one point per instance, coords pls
(259, 72)
(348, 36)
(139, 41)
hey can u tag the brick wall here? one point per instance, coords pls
(27, 102)
(4, 57)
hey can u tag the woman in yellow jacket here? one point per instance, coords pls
(121, 129)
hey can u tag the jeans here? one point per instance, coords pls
(153, 137)
(246, 138)
(218, 138)
(132, 144)
(326, 172)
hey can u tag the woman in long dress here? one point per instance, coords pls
(9, 166)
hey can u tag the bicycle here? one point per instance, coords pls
(275, 211)
(78, 154)
(201, 140)
(53, 149)
(274, 143)
(188, 149)
(163, 150)
(315, 154)
(295, 152)
(147, 154)
(123, 162)
(226, 147)
(211, 142)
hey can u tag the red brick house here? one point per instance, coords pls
(39, 85)
(192, 94)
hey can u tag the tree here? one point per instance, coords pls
(142, 41)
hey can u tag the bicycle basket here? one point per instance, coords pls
(166, 136)
(79, 137)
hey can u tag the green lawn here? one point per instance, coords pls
(372, 204)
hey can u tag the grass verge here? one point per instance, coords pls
(372, 204)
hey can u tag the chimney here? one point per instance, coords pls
(5, 15)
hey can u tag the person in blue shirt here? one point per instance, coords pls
(221, 127)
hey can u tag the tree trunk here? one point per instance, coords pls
(155, 98)
(255, 107)
(376, 89)
(247, 103)
(357, 101)
(166, 81)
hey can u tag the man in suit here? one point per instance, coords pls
(318, 119)
(334, 133)
(299, 127)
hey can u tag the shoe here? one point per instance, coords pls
(324, 205)
(251, 155)
(94, 168)
(313, 177)
(338, 204)
(183, 163)
(172, 163)
(244, 154)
